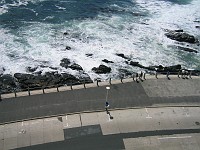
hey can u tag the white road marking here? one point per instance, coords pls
(175, 137)
(148, 117)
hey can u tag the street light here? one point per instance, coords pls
(107, 88)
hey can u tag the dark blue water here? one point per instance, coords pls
(32, 33)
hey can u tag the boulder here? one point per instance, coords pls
(89, 55)
(102, 69)
(181, 36)
(187, 49)
(136, 64)
(2, 69)
(65, 62)
(122, 55)
(75, 66)
(107, 61)
(68, 48)
(31, 69)
(7, 83)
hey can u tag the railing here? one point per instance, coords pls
(135, 77)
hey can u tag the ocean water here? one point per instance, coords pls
(32, 34)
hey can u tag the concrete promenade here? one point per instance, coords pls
(149, 93)
(165, 128)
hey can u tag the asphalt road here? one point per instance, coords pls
(131, 94)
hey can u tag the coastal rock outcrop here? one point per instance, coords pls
(75, 66)
(107, 61)
(102, 69)
(181, 36)
(7, 83)
(65, 62)
(122, 55)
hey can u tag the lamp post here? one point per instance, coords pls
(107, 88)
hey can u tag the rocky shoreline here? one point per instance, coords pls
(35, 79)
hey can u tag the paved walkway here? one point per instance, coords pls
(147, 128)
(150, 92)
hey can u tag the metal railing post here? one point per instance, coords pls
(133, 77)
(29, 91)
(71, 86)
(110, 81)
(15, 93)
(43, 90)
(144, 76)
(98, 83)
(57, 88)
(84, 84)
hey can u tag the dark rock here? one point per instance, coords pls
(7, 83)
(124, 72)
(107, 61)
(2, 69)
(85, 78)
(198, 27)
(75, 66)
(181, 36)
(137, 14)
(187, 49)
(88, 55)
(30, 69)
(65, 62)
(23, 76)
(122, 55)
(102, 69)
(198, 21)
(68, 48)
(136, 64)
(179, 30)
(65, 33)
(53, 68)
(69, 79)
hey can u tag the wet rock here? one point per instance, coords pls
(89, 55)
(107, 61)
(181, 36)
(69, 79)
(187, 49)
(102, 69)
(65, 33)
(122, 55)
(68, 48)
(75, 66)
(125, 72)
(31, 69)
(65, 62)
(53, 68)
(7, 83)
(2, 69)
(198, 27)
(85, 78)
(136, 64)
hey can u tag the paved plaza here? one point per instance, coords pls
(146, 128)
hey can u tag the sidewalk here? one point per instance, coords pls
(90, 130)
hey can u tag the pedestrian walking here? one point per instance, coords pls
(168, 74)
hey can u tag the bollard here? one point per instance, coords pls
(43, 90)
(98, 83)
(84, 84)
(133, 77)
(110, 81)
(57, 88)
(29, 91)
